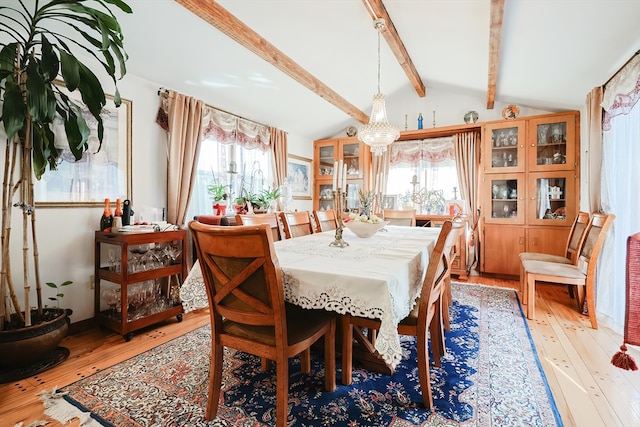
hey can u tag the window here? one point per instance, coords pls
(431, 165)
(231, 165)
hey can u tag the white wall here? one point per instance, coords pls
(66, 235)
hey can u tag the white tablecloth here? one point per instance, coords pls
(379, 277)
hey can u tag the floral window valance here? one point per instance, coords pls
(433, 150)
(622, 92)
(227, 128)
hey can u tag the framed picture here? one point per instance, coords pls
(300, 177)
(389, 201)
(99, 174)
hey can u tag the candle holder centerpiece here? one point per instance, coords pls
(339, 199)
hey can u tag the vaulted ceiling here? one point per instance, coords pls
(310, 66)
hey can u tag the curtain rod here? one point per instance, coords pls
(164, 92)
(620, 69)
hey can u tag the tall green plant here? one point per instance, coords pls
(39, 42)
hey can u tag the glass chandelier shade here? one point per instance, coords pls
(378, 133)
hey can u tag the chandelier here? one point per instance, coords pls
(378, 133)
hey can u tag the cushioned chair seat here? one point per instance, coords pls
(553, 269)
(534, 256)
(298, 326)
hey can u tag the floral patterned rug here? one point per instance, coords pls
(491, 376)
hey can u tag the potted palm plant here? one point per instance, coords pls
(40, 43)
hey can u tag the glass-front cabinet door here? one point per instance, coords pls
(505, 145)
(353, 160)
(505, 201)
(326, 155)
(324, 190)
(550, 195)
(552, 143)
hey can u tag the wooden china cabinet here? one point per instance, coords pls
(355, 154)
(529, 189)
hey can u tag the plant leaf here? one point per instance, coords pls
(50, 63)
(70, 71)
(14, 112)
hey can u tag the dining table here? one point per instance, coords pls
(378, 277)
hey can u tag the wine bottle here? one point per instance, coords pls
(118, 211)
(126, 212)
(107, 219)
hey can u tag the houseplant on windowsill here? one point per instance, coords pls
(219, 194)
(32, 56)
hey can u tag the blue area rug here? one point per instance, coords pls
(491, 376)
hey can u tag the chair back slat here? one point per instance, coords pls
(296, 224)
(577, 235)
(592, 245)
(436, 272)
(273, 219)
(326, 220)
(241, 274)
(400, 216)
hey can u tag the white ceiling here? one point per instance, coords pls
(553, 53)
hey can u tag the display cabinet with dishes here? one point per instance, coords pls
(356, 157)
(137, 278)
(528, 203)
(552, 143)
(505, 141)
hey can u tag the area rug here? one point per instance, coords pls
(491, 376)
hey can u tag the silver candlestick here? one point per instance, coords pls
(339, 198)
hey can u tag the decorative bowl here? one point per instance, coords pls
(365, 229)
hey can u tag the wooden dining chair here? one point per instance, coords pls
(425, 319)
(244, 286)
(457, 228)
(574, 242)
(269, 218)
(400, 216)
(296, 224)
(582, 274)
(325, 220)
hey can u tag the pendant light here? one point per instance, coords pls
(378, 133)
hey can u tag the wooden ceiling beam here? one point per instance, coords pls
(376, 10)
(220, 18)
(495, 38)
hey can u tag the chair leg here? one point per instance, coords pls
(282, 390)
(305, 361)
(215, 381)
(446, 302)
(437, 338)
(580, 297)
(523, 285)
(347, 348)
(423, 370)
(330, 357)
(531, 297)
(265, 364)
(591, 304)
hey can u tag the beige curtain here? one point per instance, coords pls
(467, 154)
(185, 134)
(279, 158)
(279, 151)
(593, 151)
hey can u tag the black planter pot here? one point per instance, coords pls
(23, 347)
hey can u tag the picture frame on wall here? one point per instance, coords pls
(389, 201)
(99, 174)
(300, 176)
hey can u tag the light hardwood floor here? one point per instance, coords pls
(588, 390)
